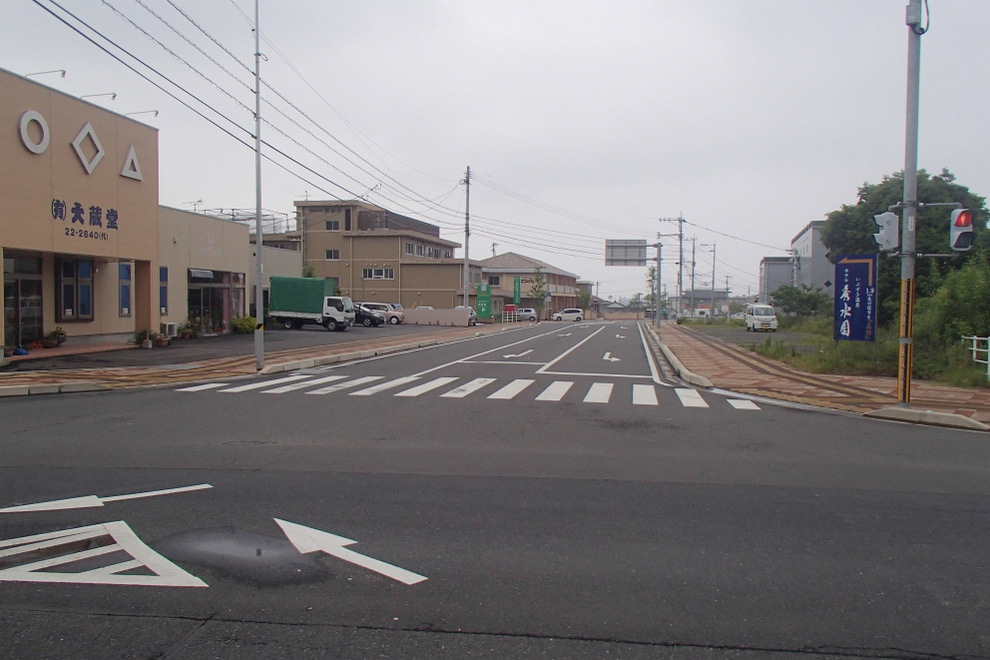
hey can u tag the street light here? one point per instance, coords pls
(41, 73)
(112, 95)
(140, 112)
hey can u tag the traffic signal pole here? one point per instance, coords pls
(909, 211)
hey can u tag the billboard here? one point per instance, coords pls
(625, 252)
(855, 297)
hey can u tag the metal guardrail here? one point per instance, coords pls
(977, 350)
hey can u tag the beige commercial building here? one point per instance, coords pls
(86, 246)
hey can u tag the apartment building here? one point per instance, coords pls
(375, 254)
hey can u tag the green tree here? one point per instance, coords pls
(850, 229)
(636, 303)
(538, 291)
(801, 300)
(584, 298)
(651, 287)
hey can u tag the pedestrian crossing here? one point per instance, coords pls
(453, 387)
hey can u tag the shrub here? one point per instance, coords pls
(244, 325)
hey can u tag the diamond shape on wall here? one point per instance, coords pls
(77, 144)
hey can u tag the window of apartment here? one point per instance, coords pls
(333, 225)
(495, 280)
(333, 255)
(124, 271)
(409, 248)
(163, 289)
(75, 289)
(447, 254)
(378, 274)
(420, 250)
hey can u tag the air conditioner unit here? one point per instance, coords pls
(170, 329)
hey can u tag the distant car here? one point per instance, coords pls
(367, 317)
(526, 314)
(472, 315)
(392, 315)
(569, 314)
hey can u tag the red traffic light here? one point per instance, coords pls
(962, 218)
(961, 230)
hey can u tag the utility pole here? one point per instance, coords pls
(467, 233)
(680, 259)
(694, 247)
(713, 282)
(259, 274)
(909, 212)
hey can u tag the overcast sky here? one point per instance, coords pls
(580, 120)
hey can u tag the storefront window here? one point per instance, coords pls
(75, 289)
(124, 274)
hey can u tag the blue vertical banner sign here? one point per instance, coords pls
(855, 297)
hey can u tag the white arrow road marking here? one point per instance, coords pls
(620, 336)
(307, 540)
(123, 540)
(608, 356)
(90, 501)
(565, 334)
(515, 355)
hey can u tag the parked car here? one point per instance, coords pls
(760, 317)
(569, 314)
(526, 314)
(392, 315)
(367, 317)
(472, 315)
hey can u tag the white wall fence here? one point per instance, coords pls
(980, 346)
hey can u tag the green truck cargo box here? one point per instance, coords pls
(299, 294)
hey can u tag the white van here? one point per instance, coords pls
(760, 317)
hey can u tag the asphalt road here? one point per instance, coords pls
(554, 522)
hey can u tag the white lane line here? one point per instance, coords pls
(468, 388)
(690, 398)
(357, 382)
(388, 385)
(299, 386)
(556, 391)
(427, 387)
(512, 389)
(644, 395)
(743, 404)
(202, 388)
(599, 393)
(264, 383)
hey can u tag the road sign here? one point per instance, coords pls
(855, 297)
(625, 252)
(517, 290)
(484, 298)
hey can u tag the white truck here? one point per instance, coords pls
(297, 301)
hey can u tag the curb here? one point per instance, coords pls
(930, 417)
(51, 388)
(682, 371)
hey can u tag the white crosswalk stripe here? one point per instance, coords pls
(644, 395)
(556, 391)
(468, 388)
(599, 393)
(436, 383)
(357, 382)
(690, 398)
(512, 389)
(388, 385)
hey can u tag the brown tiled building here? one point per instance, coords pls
(502, 270)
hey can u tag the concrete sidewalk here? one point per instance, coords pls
(709, 362)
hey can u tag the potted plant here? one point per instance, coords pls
(157, 339)
(54, 338)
